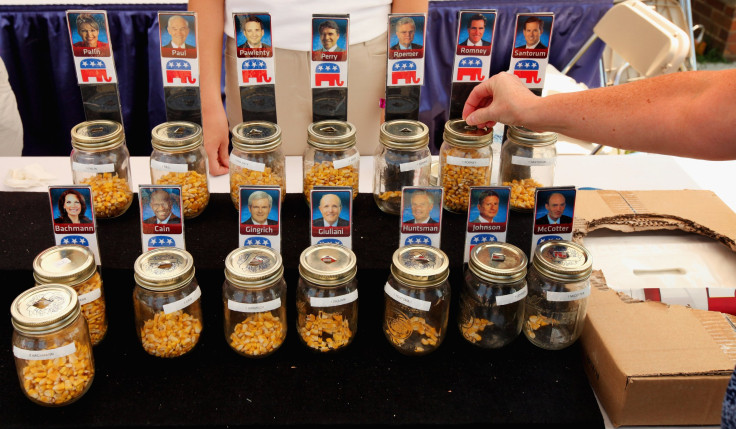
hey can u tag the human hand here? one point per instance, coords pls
(501, 98)
(215, 129)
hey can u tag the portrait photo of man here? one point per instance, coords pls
(476, 29)
(422, 202)
(260, 204)
(532, 31)
(405, 30)
(177, 38)
(253, 30)
(330, 209)
(161, 203)
(488, 205)
(329, 36)
(555, 204)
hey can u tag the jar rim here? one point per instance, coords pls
(177, 136)
(97, 135)
(459, 133)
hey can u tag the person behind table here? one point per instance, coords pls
(161, 204)
(252, 28)
(533, 29)
(178, 28)
(89, 30)
(72, 207)
(555, 205)
(476, 28)
(405, 29)
(330, 206)
(259, 205)
(329, 33)
(422, 203)
(487, 207)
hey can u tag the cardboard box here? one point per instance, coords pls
(650, 363)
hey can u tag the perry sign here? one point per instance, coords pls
(329, 75)
(405, 72)
(180, 72)
(95, 70)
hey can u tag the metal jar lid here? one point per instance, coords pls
(498, 262)
(44, 309)
(99, 135)
(69, 264)
(331, 135)
(404, 134)
(420, 265)
(256, 136)
(253, 266)
(459, 133)
(327, 264)
(563, 261)
(164, 269)
(176, 136)
(524, 136)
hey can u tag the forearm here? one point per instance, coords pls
(210, 16)
(409, 6)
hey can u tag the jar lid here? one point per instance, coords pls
(459, 133)
(97, 135)
(256, 136)
(327, 264)
(253, 266)
(331, 135)
(420, 265)
(69, 264)
(498, 262)
(44, 308)
(176, 136)
(404, 134)
(528, 137)
(563, 260)
(164, 269)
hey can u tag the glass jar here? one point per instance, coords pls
(100, 159)
(417, 299)
(465, 161)
(51, 345)
(527, 162)
(168, 314)
(74, 265)
(559, 287)
(179, 158)
(331, 158)
(403, 159)
(327, 297)
(492, 300)
(257, 158)
(254, 295)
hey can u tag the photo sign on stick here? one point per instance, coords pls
(162, 220)
(421, 215)
(405, 67)
(332, 215)
(180, 66)
(329, 67)
(554, 212)
(532, 41)
(488, 216)
(260, 216)
(73, 217)
(256, 68)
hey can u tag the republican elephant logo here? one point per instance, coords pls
(406, 71)
(94, 69)
(471, 68)
(528, 71)
(255, 69)
(328, 73)
(179, 69)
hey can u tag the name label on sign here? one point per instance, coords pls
(93, 168)
(397, 296)
(512, 297)
(342, 163)
(469, 162)
(415, 165)
(166, 166)
(44, 354)
(90, 296)
(568, 296)
(334, 301)
(184, 302)
(522, 160)
(250, 165)
(260, 307)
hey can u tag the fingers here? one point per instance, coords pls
(217, 156)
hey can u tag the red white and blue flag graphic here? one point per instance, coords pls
(528, 71)
(470, 69)
(405, 72)
(257, 70)
(259, 241)
(94, 68)
(179, 69)
(329, 74)
(159, 241)
(75, 239)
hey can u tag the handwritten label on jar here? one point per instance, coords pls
(342, 163)
(44, 354)
(90, 296)
(512, 297)
(333, 301)
(469, 162)
(250, 165)
(244, 307)
(182, 303)
(166, 166)
(531, 162)
(93, 168)
(397, 296)
(568, 296)
(63, 261)
(415, 165)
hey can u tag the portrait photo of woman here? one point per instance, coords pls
(72, 207)
(88, 30)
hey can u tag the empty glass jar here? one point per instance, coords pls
(257, 158)
(331, 158)
(528, 162)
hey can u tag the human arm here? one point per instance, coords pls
(688, 114)
(214, 120)
(410, 6)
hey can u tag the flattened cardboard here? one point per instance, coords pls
(649, 363)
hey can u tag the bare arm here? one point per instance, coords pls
(689, 114)
(214, 120)
(409, 6)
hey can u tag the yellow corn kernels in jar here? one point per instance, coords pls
(331, 158)
(257, 158)
(51, 345)
(528, 162)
